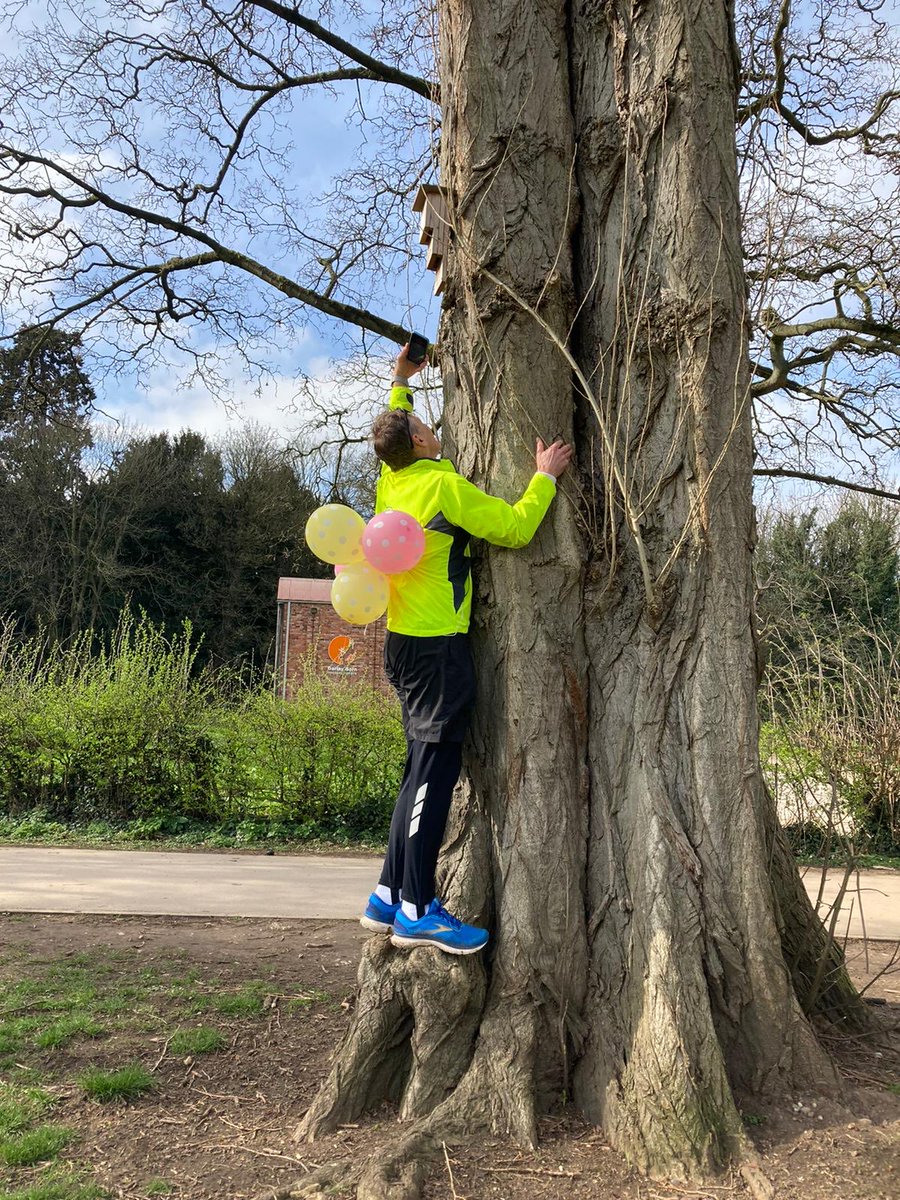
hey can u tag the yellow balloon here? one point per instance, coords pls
(334, 533)
(359, 594)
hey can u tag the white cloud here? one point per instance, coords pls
(283, 401)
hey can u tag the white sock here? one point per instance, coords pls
(384, 894)
(409, 910)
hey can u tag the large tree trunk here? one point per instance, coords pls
(653, 953)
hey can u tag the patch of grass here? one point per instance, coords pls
(57, 1185)
(75, 999)
(20, 994)
(65, 1030)
(895, 1088)
(159, 1187)
(125, 1084)
(22, 1075)
(246, 1002)
(21, 1107)
(15, 1034)
(202, 1040)
(34, 1145)
(113, 1004)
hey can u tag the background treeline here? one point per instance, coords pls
(829, 612)
(138, 579)
(93, 521)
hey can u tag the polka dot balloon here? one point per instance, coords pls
(333, 533)
(393, 541)
(359, 594)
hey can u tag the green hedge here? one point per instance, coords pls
(131, 733)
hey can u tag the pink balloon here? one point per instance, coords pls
(393, 541)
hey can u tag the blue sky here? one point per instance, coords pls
(317, 138)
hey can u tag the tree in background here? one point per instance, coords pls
(204, 532)
(46, 400)
(830, 578)
(176, 527)
(43, 381)
(859, 560)
(829, 616)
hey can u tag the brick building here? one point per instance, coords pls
(311, 636)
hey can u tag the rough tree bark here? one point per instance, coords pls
(653, 952)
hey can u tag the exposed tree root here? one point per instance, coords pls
(318, 1185)
(411, 1037)
(398, 1173)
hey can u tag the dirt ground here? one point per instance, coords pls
(219, 1125)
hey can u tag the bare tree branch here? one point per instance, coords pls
(827, 480)
(380, 70)
(774, 98)
(244, 262)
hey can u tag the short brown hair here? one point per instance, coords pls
(392, 438)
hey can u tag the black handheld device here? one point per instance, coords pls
(418, 348)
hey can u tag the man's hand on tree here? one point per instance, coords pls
(552, 460)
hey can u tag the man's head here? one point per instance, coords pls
(400, 438)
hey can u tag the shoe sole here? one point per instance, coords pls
(375, 926)
(401, 942)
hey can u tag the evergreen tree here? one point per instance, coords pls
(859, 565)
(45, 403)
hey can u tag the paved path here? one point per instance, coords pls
(34, 879)
(38, 879)
(870, 906)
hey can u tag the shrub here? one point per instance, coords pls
(129, 736)
(331, 757)
(831, 745)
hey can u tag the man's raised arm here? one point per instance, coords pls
(401, 391)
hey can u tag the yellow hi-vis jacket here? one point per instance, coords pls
(435, 597)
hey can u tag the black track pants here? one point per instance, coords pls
(420, 815)
(434, 678)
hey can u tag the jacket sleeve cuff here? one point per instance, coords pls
(401, 397)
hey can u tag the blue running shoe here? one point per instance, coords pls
(438, 928)
(378, 915)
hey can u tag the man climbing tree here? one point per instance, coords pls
(427, 656)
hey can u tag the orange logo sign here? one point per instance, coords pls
(340, 650)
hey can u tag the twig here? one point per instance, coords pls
(163, 1055)
(532, 1171)
(221, 1096)
(867, 1078)
(264, 1154)
(707, 1187)
(39, 1004)
(889, 968)
(449, 1171)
